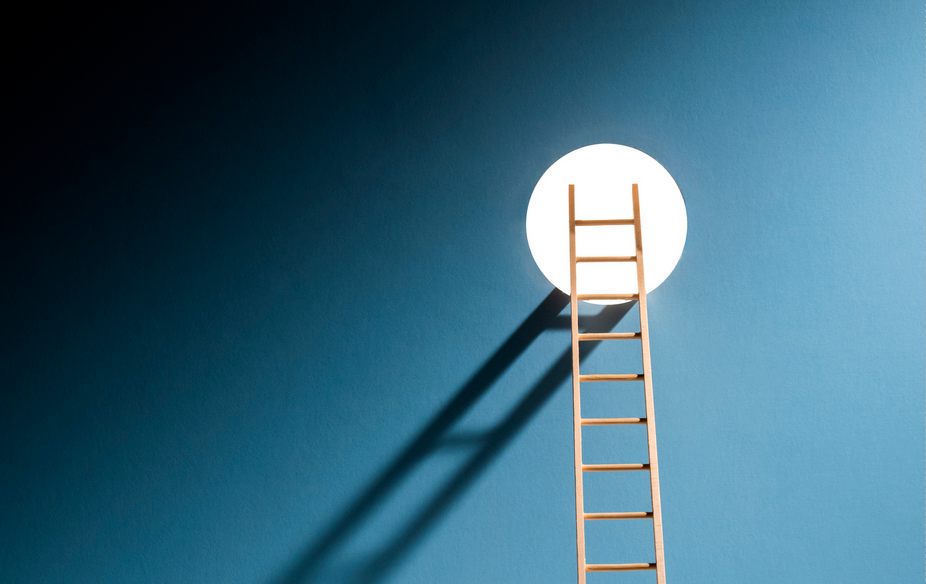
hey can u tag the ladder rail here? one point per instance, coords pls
(576, 403)
(648, 394)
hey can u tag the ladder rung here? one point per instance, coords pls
(599, 222)
(618, 567)
(613, 467)
(608, 336)
(633, 515)
(607, 297)
(611, 421)
(619, 377)
(606, 259)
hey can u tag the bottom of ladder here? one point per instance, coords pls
(618, 567)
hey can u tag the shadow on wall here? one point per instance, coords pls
(487, 446)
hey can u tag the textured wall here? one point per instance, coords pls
(269, 315)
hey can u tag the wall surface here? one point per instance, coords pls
(269, 315)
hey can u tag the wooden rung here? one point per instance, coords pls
(613, 467)
(620, 377)
(633, 515)
(618, 567)
(607, 259)
(607, 296)
(600, 222)
(608, 336)
(611, 421)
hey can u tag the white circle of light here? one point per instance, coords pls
(603, 175)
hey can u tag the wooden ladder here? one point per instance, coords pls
(646, 377)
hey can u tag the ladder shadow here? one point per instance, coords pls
(487, 445)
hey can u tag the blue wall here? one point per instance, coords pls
(269, 314)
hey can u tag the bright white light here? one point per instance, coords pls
(603, 175)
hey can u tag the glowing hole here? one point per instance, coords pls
(603, 175)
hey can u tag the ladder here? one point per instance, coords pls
(577, 380)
